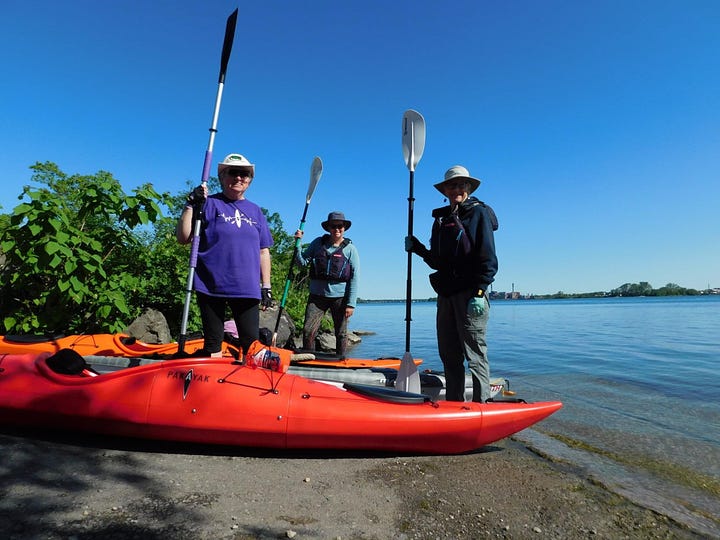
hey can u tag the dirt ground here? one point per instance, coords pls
(82, 488)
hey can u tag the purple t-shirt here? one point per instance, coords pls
(232, 235)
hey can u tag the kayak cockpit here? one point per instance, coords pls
(69, 362)
(389, 395)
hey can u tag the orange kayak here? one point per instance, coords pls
(219, 401)
(99, 344)
(125, 345)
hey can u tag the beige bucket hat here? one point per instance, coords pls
(458, 172)
(235, 160)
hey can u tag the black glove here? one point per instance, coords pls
(196, 196)
(265, 297)
(413, 245)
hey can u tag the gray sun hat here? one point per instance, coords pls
(458, 172)
(335, 216)
(235, 160)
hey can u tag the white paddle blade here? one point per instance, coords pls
(315, 174)
(408, 378)
(413, 138)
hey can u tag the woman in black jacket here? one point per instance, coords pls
(462, 253)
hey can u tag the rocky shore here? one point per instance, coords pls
(79, 487)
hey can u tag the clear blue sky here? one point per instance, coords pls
(594, 125)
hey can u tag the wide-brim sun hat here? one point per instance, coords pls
(335, 216)
(458, 172)
(235, 160)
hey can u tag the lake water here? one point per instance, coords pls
(638, 378)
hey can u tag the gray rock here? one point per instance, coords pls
(354, 338)
(286, 329)
(150, 327)
(326, 342)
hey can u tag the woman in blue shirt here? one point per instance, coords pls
(334, 272)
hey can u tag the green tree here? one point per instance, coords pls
(671, 289)
(165, 276)
(633, 289)
(282, 252)
(72, 255)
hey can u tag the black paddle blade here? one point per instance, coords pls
(227, 44)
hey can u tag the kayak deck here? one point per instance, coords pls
(124, 345)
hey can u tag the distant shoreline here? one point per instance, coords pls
(579, 296)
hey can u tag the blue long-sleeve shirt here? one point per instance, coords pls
(332, 288)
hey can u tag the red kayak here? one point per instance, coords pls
(221, 401)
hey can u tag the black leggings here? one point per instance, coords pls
(245, 312)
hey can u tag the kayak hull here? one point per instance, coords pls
(218, 401)
(432, 383)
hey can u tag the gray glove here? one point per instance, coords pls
(413, 245)
(477, 305)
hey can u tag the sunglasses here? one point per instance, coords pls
(456, 185)
(336, 225)
(234, 173)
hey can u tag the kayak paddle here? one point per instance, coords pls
(315, 173)
(227, 48)
(413, 145)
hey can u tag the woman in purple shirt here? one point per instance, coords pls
(233, 265)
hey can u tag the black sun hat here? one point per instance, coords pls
(335, 216)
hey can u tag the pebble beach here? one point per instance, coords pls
(80, 487)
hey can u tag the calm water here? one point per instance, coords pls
(637, 376)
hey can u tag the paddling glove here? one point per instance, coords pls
(477, 305)
(265, 297)
(196, 196)
(414, 245)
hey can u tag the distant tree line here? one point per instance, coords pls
(645, 289)
(629, 289)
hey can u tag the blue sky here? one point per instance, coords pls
(594, 126)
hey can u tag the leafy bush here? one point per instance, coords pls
(72, 256)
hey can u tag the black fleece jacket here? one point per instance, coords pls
(460, 264)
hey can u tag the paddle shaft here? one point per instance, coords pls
(408, 290)
(288, 281)
(315, 174)
(197, 211)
